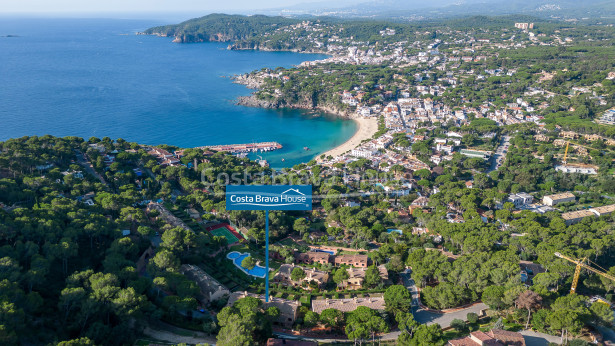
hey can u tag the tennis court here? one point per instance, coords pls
(223, 231)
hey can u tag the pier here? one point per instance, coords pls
(245, 148)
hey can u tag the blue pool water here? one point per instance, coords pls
(391, 230)
(237, 258)
(95, 77)
(325, 251)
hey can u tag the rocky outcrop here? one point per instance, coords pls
(189, 38)
(250, 81)
(243, 45)
(253, 101)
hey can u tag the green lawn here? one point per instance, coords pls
(306, 300)
(288, 243)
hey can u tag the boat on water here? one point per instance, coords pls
(283, 160)
(306, 148)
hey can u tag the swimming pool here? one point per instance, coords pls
(325, 251)
(391, 230)
(237, 258)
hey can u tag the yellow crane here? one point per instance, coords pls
(566, 153)
(577, 272)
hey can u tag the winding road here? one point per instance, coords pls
(424, 316)
(83, 161)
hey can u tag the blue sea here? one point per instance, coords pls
(96, 77)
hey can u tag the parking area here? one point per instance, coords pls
(500, 154)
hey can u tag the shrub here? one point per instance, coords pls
(472, 317)
(459, 325)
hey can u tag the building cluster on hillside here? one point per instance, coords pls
(577, 216)
(209, 288)
(317, 278)
(356, 277)
(370, 148)
(166, 215)
(571, 135)
(524, 26)
(312, 275)
(289, 309)
(164, 157)
(407, 113)
(356, 260)
(348, 304)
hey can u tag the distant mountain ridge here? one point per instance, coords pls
(453, 8)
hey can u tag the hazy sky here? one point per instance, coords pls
(85, 6)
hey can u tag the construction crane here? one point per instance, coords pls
(566, 153)
(577, 272)
(575, 145)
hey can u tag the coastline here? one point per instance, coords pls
(367, 128)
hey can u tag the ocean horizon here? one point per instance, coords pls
(97, 78)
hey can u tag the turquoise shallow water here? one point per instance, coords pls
(97, 78)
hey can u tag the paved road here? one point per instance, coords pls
(428, 317)
(500, 153)
(87, 165)
(168, 333)
(410, 285)
(533, 338)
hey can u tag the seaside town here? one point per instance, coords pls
(475, 205)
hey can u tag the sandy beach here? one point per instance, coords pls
(367, 128)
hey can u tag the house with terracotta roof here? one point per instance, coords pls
(356, 276)
(312, 257)
(348, 304)
(421, 202)
(210, 288)
(494, 337)
(359, 261)
(283, 276)
(569, 134)
(289, 309)
(592, 137)
(288, 342)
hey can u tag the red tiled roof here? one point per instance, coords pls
(462, 342)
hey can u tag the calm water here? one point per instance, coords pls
(96, 78)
